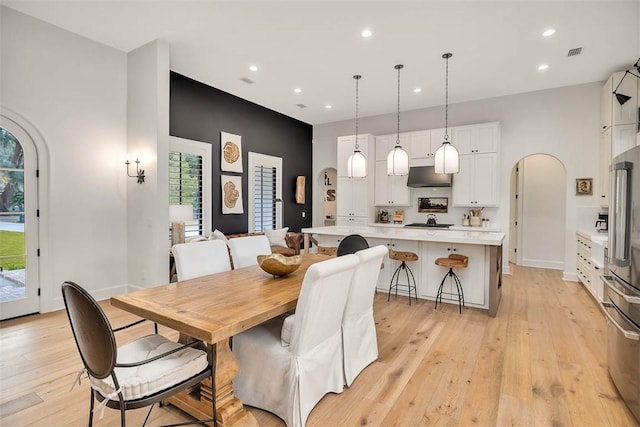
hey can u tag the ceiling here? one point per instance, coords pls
(316, 46)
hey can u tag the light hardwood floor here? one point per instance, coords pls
(540, 362)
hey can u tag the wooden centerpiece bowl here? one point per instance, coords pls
(278, 264)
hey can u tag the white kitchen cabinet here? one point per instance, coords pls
(611, 112)
(588, 270)
(352, 194)
(605, 161)
(346, 145)
(353, 221)
(385, 143)
(476, 184)
(352, 201)
(623, 137)
(606, 102)
(390, 190)
(424, 145)
(471, 278)
(478, 138)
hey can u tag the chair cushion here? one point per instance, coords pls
(145, 380)
(277, 237)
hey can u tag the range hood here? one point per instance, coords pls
(425, 176)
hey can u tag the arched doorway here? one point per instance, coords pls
(19, 269)
(538, 212)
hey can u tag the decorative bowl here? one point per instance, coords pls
(278, 264)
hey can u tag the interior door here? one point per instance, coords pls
(19, 280)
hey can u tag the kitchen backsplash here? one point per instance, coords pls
(453, 216)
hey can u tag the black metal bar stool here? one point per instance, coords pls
(411, 281)
(451, 262)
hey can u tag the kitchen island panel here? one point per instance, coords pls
(479, 279)
(471, 278)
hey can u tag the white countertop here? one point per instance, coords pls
(594, 235)
(453, 227)
(473, 237)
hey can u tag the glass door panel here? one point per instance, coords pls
(12, 238)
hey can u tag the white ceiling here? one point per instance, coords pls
(316, 45)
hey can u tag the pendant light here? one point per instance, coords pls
(357, 163)
(447, 159)
(398, 159)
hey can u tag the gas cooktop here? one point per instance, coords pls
(425, 225)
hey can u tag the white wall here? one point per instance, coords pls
(562, 122)
(543, 199)
(148, 136)
(73, 92)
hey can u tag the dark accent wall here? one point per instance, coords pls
(200, 112)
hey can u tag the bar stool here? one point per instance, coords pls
(451, 262)
(411, 281)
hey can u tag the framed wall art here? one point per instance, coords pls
(230, 152)
(433, 204)
(584, 186)
(231, 194)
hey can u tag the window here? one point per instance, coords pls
(190, 182)
(265, 192)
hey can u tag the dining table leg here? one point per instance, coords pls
(306, 243)
(229, 409)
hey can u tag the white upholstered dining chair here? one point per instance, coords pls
(289, 376)
(359, 342)
(200, 259)
(245, 250)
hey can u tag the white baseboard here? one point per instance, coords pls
(570, 277)
(99, 295)
(540, 263)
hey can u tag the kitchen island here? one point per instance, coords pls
(481, 280)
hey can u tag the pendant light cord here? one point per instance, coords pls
(446, 99)
(357, 77)
(398, 67)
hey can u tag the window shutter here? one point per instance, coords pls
(264, 198)
(185, 187)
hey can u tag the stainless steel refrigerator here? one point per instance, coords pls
(622, 291)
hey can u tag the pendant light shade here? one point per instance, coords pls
(622, 98)
(357, 163)
(398, 159)
(447, 159)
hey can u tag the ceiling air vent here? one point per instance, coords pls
(301, 106)
(574, 51)
(247, 80)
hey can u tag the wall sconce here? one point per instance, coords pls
(139, 172)
(621, 97)
(178, 215)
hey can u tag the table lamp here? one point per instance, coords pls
(178, 215)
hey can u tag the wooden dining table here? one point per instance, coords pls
(212, 309)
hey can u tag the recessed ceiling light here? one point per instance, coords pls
(417, 90)
(549, 32)
(328, 106)
(297, 90)
(542, 67)
(253, 67)
(366, 33)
